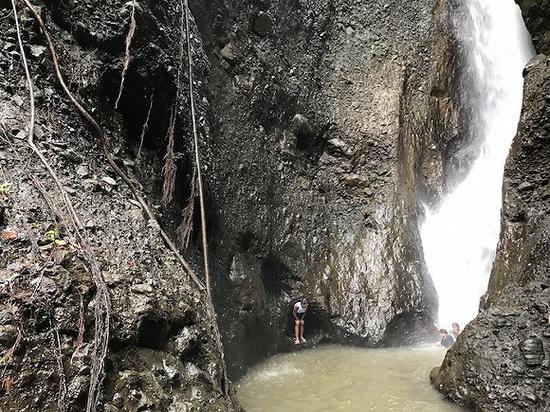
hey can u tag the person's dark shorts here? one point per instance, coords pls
(301, 316)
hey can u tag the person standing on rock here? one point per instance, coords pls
(299, 311)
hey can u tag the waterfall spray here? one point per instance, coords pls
(460, 236)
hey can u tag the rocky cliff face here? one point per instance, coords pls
(329, 121)
(536, 14)
(322, 126)
(162, 355)
(500, 362)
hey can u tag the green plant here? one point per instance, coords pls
(5, 191)
(52, 236)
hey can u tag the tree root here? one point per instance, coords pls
(169, 170)
(102, 300)
(56, 345)
(186, 226)
(6, 359)
(103, 303)
(226, 384)
(127, 56)
(98, 132)
(81, 328)
(197, 157)
(9, 354)
(145, 127)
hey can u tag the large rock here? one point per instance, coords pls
(500, 362)
(327, 203)
(536, 14)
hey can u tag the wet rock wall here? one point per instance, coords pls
(329, 123)
(162, 355)
(536, 14)
(323, 127)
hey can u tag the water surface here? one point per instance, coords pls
(337, 378)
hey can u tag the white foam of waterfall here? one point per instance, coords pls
(460, 237)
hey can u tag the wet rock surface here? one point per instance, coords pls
(162, 355)
(536, 14)
(325, 133)
(322, 127)
(501, 360)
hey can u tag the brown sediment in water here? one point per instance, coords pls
(337, 378)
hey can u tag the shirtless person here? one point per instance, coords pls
(299, 312)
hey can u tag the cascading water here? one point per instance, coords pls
(460, 237)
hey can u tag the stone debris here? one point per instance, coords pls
(109, 180)
(532, 351)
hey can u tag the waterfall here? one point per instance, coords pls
(460, 236)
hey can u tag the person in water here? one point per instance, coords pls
(456, 330)
(299, 311)
(446, 339)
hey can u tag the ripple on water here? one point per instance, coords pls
(280, 371)
(337, 378)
